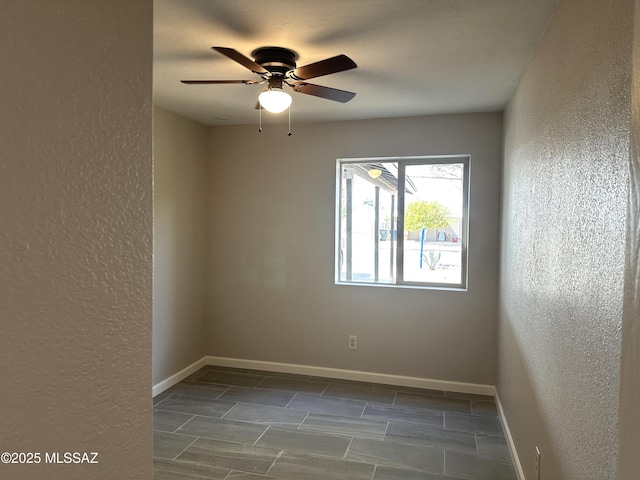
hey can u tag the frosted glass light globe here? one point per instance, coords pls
(274, 100)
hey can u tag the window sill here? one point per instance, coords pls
(452, 288)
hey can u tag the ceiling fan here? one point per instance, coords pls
(276, 67)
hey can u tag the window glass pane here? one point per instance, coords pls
(368, 222)
(433, 220)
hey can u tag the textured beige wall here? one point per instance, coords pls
(75, 236)
(180, 247)
(272, 292)
(629, 455)
(564, 220)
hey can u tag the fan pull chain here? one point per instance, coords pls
(260, 124)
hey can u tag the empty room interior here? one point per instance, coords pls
(263, 276)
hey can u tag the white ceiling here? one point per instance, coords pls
(415, 57)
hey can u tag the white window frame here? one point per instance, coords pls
(402, 162)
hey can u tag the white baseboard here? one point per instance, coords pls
(178, 377)
(357, 375)
(509, 438)
(383, 378)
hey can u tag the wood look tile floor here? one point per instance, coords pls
(234, 424)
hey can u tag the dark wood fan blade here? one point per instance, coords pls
(339, 63)
(201, 82)
(324, 92)
(241, 59)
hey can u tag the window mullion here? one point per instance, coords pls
(393, 235)
(376, 235)
(349, 228)
(400, 234)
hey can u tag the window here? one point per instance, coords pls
(402, 221)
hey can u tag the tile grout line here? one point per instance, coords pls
(292, 398)
(157, 405)
(176, 430)
(184, 425)
(375, 468)
(324, 389)
(444, 462)
(261, 435)
(303, 420)
(194, 415)
(364, 408)
(344, 457)
(225, 391)
(227, 412)
(185, 448)
(280, 453)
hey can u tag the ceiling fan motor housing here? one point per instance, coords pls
(277, 60)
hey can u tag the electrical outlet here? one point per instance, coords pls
(537, 463)
(353, 342)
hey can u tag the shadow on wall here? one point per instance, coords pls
(529, 431)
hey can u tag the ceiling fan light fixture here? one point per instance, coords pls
(277, 66)
(274, 100)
